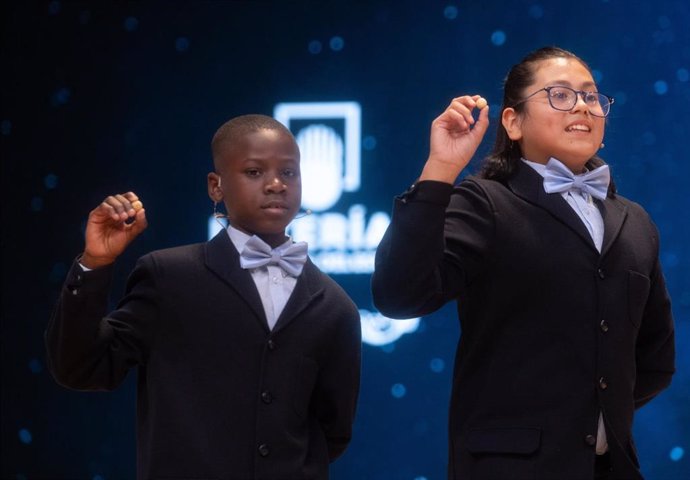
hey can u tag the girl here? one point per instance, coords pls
(566, 322)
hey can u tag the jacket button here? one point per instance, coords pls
(604, 326)
(263, 450)
(266, 397)
(601, 273)
(590, 440)
(602, 383)
(271, 345)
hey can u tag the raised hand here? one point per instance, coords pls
(111, 227)
(455, 137)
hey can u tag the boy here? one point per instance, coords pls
(248, 360)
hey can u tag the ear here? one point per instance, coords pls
(214, 187)
(512, 122)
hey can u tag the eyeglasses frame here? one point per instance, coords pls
(580, 93)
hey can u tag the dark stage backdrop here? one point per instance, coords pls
(103, 97)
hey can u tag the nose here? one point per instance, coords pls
(275, 185)
(580, 103)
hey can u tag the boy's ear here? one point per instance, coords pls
(214, 184)
(512, 122)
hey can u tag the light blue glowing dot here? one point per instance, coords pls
(60, 96)
(369, 142)
(315, 47)
(670, 259)
(597, 76)
(420, 478)
(664, 22)
(660, 87)
(535, 11)
(336, 44)
(54, 7)
(35, 365)
(131, 24)
(58, 272)
(25, 436)
(676, 453)
(37, 204)
(620, 98)
(648, 138)
(5, 127)
(50, 181)
(421, 427)
(437, 365)
(398, 390)
(682, 74)
(450, 12)
(498, 38)
(63, 95)
(182, 44)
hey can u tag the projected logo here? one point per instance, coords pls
(342, 234)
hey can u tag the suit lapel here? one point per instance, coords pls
(528, 184)
(307, 289)
(613, 212)
(222, 259)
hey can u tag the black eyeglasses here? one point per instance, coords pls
(565, 99)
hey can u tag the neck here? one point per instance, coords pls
(273, 239)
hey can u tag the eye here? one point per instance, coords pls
(289, 173)
(592, 98)
(561, 94)
(252, 172)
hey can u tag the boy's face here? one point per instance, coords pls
(261, 183)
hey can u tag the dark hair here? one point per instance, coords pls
(501, 163)
(235, 129)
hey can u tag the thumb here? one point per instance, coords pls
(139, 224)
(482, 124)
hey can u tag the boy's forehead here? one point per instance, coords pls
(257, 144)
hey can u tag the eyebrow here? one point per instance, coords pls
(566, 83)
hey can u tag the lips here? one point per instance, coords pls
(275, 205)
(578, 127)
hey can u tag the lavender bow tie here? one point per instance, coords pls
(559, 178)
(257, 253)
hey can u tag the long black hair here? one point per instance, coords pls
(502, 162)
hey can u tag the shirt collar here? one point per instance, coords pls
(540, 168)
(239, 239)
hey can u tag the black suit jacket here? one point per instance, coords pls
(220, 396)
(553, 332)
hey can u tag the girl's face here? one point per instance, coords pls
(572, 137)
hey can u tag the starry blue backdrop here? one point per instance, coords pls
(103, 97)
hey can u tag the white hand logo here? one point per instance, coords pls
(321, 166)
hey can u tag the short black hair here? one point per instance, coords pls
(235, 129)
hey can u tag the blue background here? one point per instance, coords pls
(114, 96)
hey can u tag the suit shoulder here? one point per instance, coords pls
(488, 186)
(478, 193)
(333, 292)
(179, 255)
(637, 212)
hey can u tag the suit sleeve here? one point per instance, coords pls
(337, 389)
(655, 349)
(436, 244)
(88, 349)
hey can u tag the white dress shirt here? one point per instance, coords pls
(274, 284)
